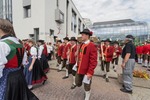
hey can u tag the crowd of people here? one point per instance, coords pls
(27, 61)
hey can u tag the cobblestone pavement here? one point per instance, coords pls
(58, 89)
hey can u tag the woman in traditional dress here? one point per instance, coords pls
(42, 54)
(33, 71)
(12, 81)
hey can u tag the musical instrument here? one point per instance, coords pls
(115, 53)
(102, 53)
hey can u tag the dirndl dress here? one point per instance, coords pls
(44, 62)
(13, 85)
(27, 73)
(38, 75)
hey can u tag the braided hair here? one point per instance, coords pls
(7, 27)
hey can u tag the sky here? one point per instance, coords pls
(107, 10)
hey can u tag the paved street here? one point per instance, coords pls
(58, 89)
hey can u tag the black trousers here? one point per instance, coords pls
(64, 63)
(115, 60)
(105, 65)
(70, 71)
(59, 59)
(78, 81)
(49, 57)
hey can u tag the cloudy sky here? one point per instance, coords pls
(106, 10)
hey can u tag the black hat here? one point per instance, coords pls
(41, 41)
(66, 38)
(73, 39)
(59, 41)
(130, 37)
(116, 42)
(102, 40)
(107, 40)
(87, 31)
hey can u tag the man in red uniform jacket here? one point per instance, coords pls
(87, 62)
(145, 54)
(116, 54)
(59, 52)
(72, 59)
(65, 55)
(139, 53)
(108, 56)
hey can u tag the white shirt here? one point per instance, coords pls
(41, 48)
(49, 48)
(33, 52)
(86, 42)
(4, 52)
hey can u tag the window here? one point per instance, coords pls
(79, 26)
(57, 3)
(73, 23)
(51, 32)
(36, 34)
(31, 36)
(83, 26)
(27, 11)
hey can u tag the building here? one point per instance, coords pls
(6, 9)
(46, 19)
(118, 29)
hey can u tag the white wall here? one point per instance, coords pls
(25, 26)
(50, 22)
(43, 17)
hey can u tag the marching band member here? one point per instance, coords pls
(145, 54)
(108, 56)
(72, 59)
(116, 54)
(87, 62)
(65, 56)
(59, 53)
(139, 50)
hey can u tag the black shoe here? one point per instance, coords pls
(126, 91)
(44, 82)
(123, 86)
(115, 70)
(73, 86)
(104, 76)
(31, 88)
(113, 67)
(65, 77)
(59, 70)
(107, 80)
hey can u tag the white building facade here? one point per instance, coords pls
(46, 19)
(6, 9)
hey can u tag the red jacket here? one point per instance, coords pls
(72, 56)
(139, 49)
(108, 52)
(100, 50)
(118, 51)
(60, 50)
(87, 59)
(145, 49)
(65, 50)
